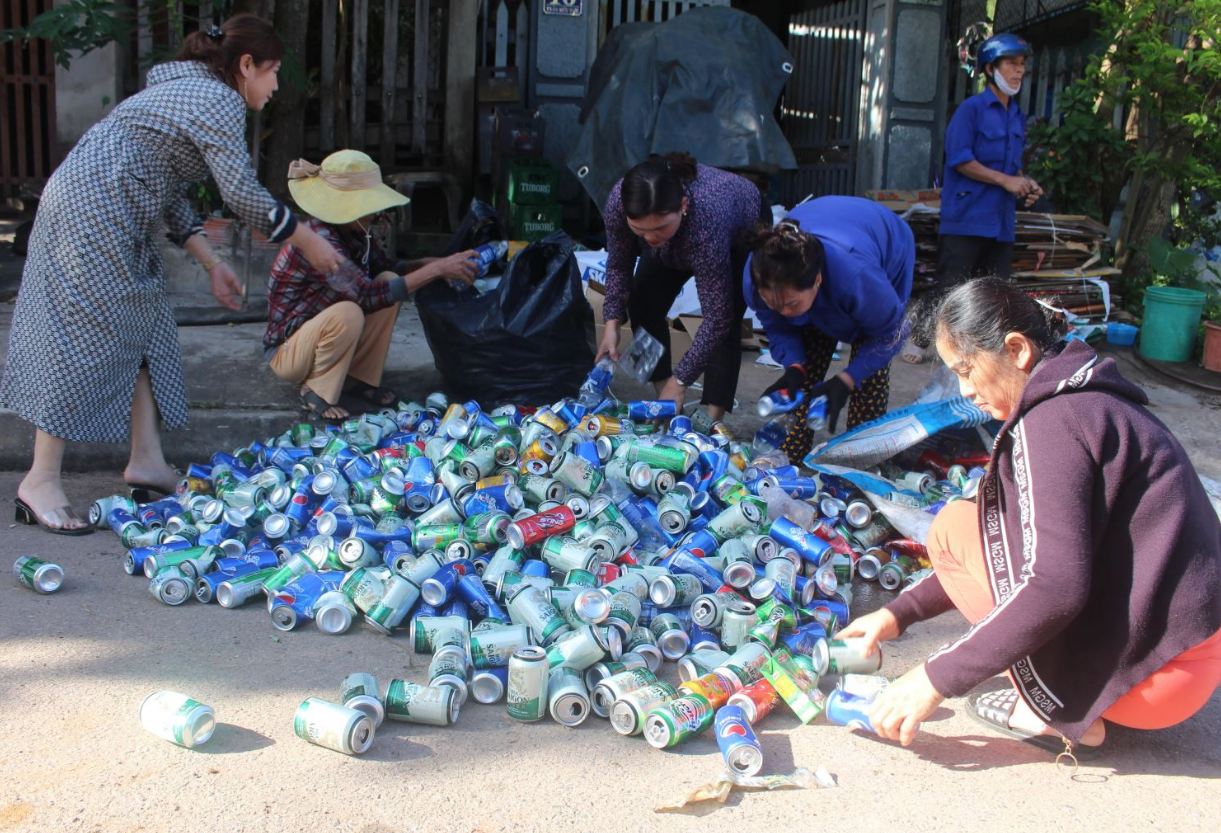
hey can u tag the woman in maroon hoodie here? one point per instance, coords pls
(1090, 569)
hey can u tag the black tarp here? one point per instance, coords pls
(705, 82)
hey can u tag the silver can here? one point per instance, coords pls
(38, 575)
(413, 703)
(698, 663)
(627, 714)
(334, 612)
(360, 691)
(493, 645)
(612, 688)
(177, 718)
(567, 699)
(171, 586)
(527, 688)
(333, 726)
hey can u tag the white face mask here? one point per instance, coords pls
(999, 81)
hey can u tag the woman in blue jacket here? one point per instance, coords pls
(835, 269)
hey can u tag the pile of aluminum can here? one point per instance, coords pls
(553, 558)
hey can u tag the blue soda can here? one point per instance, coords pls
(456, 607)
(777, 402)
(849, 710)
(756, 473)
(260, 557)
(481, 560)
(295, 602)
(301, 505)
(119, 518)
(438, 588)
(687, 561)
(796, 486)
(567, 411)
(830, 613)
(589, 450)
(816, 417)
(808, 545)
(644, 409)
(680, 425)
(737, 741)
(804, 640)
(701, 543)
(393, 550)
(199, 471)
(285, 457)
(701, 638)
(205, 585)
(419, 471)
(471, 590)
(423, 608)
(133, 562)
(359, 468)
(535, 567)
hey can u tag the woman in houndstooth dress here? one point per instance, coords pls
(93, 353)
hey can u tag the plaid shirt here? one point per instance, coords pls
(297, 292)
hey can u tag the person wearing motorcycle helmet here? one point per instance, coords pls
(983, 181)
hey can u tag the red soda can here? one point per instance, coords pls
(608, 572)
(757, 700)
(628, 558)
(539, 526)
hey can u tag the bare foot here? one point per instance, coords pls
(1024, 719)
(45, 495)
(152, 473)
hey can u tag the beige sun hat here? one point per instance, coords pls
(345, 187)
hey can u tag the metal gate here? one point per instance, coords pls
(27, 103)
(821, 105)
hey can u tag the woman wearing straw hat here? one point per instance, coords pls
(330, 333)
(93, 355)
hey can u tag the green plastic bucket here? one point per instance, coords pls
(1172, 317)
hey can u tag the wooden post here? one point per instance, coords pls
(419, 78)
(390, 49)
(460, 87)
(360, 46)
(326, 77)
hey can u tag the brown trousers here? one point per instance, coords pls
(339, 342)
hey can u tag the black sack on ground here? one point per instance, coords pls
(525, 342)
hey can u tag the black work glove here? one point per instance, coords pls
(837, 391)
(791, 382)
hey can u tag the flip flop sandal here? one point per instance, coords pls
(913, 353)
(372, 394)
(318, 406)
(994, 708)
(54, 520)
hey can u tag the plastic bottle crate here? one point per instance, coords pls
(534, 222)
(531, 183)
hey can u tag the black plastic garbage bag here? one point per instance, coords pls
(525, 342)
(705, 82)
(480, 225)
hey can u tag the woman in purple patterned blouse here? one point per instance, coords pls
(681, 219)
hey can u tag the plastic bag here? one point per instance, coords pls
(526, 342)
(640, 359)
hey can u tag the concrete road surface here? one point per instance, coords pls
(75, 666)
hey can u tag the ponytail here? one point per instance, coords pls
(221, 48)
(785, 257)
(657, 185)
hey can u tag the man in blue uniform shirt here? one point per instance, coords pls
(983, 180)
(983, 170)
